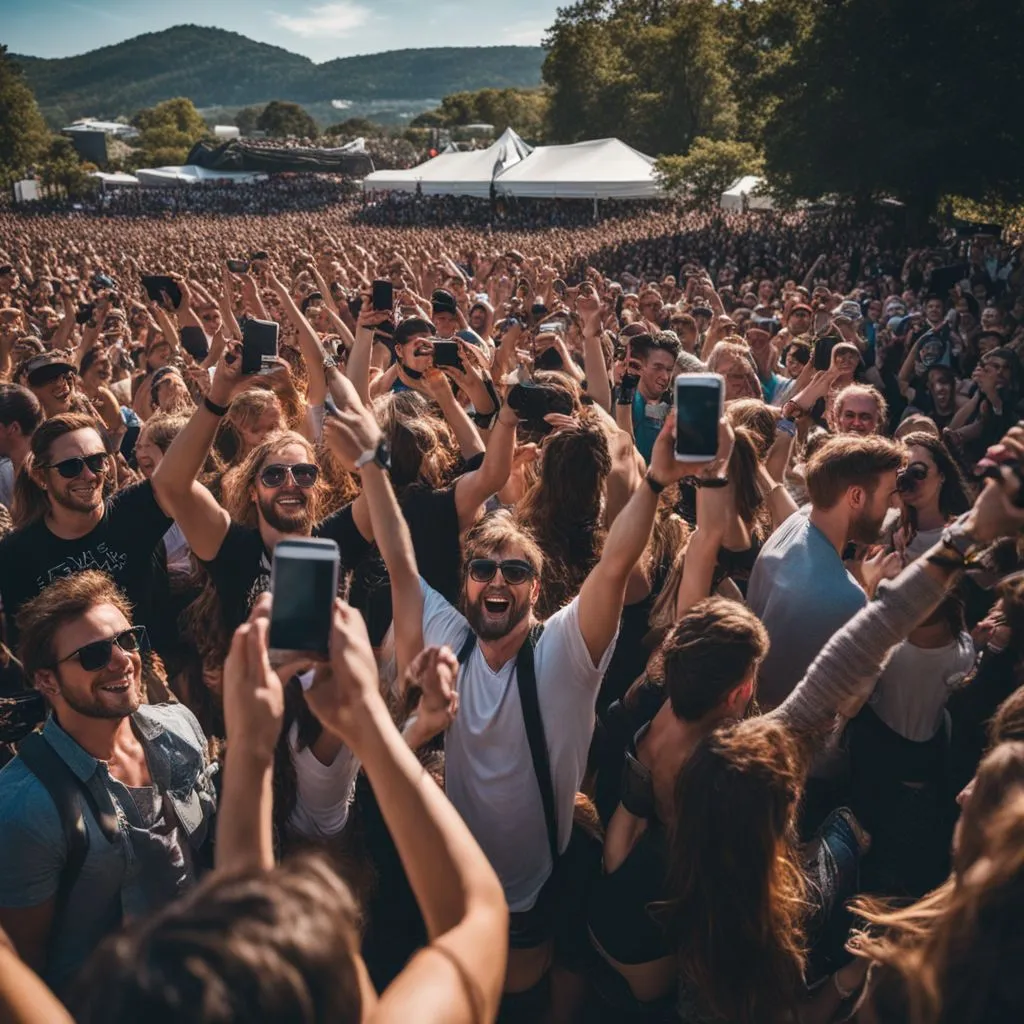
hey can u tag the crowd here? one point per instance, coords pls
(599, 733)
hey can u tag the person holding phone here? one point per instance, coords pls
(645, 390)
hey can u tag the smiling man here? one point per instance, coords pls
(52, 378)
(139, 774)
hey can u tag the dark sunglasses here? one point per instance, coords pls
(47, 375)
(303, 473)
(513, 570)
(70, 468)
(95, 656)
(907, 479)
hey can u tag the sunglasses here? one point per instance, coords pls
(95, 656)
(304, 475)
(70, 468)
(43, 377)
(513, 570)
(907, 479)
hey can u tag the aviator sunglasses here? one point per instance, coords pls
(95, 656)
(303, 473)
(513, 570)
(70, 468)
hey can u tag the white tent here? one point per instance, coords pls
(117, 179)
(740, 195)
(599, 169)
(163, 177)
(455, 174)
(226, 131)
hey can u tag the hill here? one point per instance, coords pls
(216, 68)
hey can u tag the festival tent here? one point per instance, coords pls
(117, 179)
(741, 195)
(455, 174)
(164, 177)
(598, 169)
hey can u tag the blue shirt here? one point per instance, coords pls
(648, 419)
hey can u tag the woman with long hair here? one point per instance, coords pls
(253, 416)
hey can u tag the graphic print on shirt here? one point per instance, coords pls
(102, 557)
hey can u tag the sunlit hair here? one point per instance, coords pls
(952, 957)
(729, 348)
(861, 391)
(275, 946)
(164, 427)
(563, 510)
(737, 893)
(63, 601)
(850, 460)
(246, 411)
(241, 481)
(423, 449)
(31, 502)
(758, 418)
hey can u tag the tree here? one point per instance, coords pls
(167, 132)
(247, 118)
(428, 119)
(23, 132)
(61, 170)
(899, 117)
(710, 167)
(280, 119)
(180, 114)
(354, 126)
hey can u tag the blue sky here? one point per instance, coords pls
(319, 29)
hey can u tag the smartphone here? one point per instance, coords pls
(238, 266)
(259, 346)
(446, 353)
(383, 296)
(303, 585)
(552, 327)
(700, 404)
(85, 312)
(823, 352)
(157, 283)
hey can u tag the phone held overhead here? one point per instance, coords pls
(700, 404)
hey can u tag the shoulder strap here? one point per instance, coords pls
(467, 648)
(526, 682)
(64, 789)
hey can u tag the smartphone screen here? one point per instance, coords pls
(238, 266)
(823, 352)
(446, 353)
(699, 404)
(303, 584)
(383, 296)
(259, 346)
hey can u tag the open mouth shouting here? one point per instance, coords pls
(424, 349)
(496, 604)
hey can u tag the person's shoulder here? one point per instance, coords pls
(131, 495)
(22, 539)
(176, 718)
(25, 801)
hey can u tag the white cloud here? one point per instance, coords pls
(333, 20)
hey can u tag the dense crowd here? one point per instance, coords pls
(598, 731)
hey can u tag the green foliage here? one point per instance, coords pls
(218, 68)
(710, 167)
(354, 126)
(63, 172)
(281, 118)
(168, 132)
(523, 110)
(23, 134)
(650, 72)
(246, 118)
(428, 119)
(900, 116)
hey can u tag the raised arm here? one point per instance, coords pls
(599, 387)
(309, 342)
(474, 488)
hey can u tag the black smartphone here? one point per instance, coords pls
(446, 353)
(157, 283)
(193, 341)
(823, 352)
(700, 404)
(238, 266)
(303, 585)
(259, 345)
(383, 296)
(85, 312)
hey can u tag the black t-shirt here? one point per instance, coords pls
(240, 571)
(121, 545)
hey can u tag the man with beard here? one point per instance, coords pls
(67, 523)
(489, 774)
(275, 494)
(139, 774)
(799, 587)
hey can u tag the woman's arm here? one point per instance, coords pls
(309, 342)
(474, 488)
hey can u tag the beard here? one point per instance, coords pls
(77, 502)
(490, 625)
(110, 705)
(865, 529)
(287, 519)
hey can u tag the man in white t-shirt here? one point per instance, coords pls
(489, 774)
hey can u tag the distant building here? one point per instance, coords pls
(89, 137)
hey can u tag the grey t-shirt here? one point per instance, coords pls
(6, 481)
(802, 592)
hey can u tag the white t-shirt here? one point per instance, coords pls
(324, 790)
(489, 774)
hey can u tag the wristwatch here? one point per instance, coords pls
(381, 455)
(958, 537)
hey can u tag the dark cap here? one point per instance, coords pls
(408, 329)
(44, 368)
(442, 301)
(801, 307)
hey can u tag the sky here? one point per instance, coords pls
(319, 29)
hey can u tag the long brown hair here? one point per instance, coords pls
(422, 446)
(737, 905)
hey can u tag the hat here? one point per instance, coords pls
(801, 307)
(159, 377)
(687, 362)
(442, 301)
(408, 329)
(848, 308)
(702, 311)
(47, 367)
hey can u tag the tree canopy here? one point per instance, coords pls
(280, 118)
(167, 132)
(710, 167)
(23, 133)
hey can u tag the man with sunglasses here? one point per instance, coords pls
(75, 523)
(490, 775)
(52, 378)
(138, 772)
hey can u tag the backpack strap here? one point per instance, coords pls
(526, 682)
(467, 648)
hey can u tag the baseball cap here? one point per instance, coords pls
(702, 311)
(47, 367)
(442, 301)
(408, 329)
(849, 309)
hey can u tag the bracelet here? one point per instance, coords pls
(217, 410)
(652, 483)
